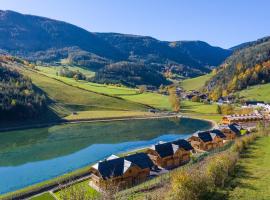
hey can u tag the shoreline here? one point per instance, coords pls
(63, 121)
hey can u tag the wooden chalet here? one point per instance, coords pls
(170, 154)
(231, 131)
(230, 119)
(207, 140)
(121, 172)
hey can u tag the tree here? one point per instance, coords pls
(142, 89)
(219, 111)
(174, 99)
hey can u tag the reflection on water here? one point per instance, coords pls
(31, 156)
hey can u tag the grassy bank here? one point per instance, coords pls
(252, 176)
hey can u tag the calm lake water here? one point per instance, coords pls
(31, 156)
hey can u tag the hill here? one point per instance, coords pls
(246, 67)
(195, 83)
(40, 39)
(19, 99)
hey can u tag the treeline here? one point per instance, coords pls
(130, 74)
(18, 99)
(246, 67)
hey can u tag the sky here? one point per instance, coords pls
(223, 23)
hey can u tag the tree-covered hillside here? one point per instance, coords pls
(130, 74)
(18, 98)
(40, 39)
(246, 67)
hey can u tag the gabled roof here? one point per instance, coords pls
(113, 167)
(183, 144)
(164, 149)
(205, 136)
(218, 132)
(235, 128)
(142, 160)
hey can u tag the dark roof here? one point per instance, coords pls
(183, 144)
(140, 159)
(235, 128)
(111, 168)
(164, 149)
(205, 136)
(253, 102)
(219, 133)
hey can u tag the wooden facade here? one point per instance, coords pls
(171, 154)
(230, 119)
(206, 140)
(120, 173)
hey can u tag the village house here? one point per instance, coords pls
(170, 154)
(120, 172)
(207, 140)
(248, 118)
(231, 131)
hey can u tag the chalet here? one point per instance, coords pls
(230, 119)
(207, 140)
(121, 172)
(170, 154)
(253, 103)
(231, 131)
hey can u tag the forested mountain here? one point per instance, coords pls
(18, 98)
(248, 66)
(130, 74)
(46, 40)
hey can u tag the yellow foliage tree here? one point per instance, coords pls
(174, 99)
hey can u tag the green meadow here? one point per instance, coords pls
(195, 83)
(258, 92)
(252, 179)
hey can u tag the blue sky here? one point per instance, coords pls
(222, 23)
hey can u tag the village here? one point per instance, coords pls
(132, 169)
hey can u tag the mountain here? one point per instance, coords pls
(194, 54)
(46, 40)
(248, 66)
(247, 44)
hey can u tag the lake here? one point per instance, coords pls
(35, 155)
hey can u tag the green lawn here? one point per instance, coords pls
(107, 114)
(45, 196)
(54, 69)
(195, 83)
(152, 99)
(258, 92)
(83, 186)
(253, 176)
(71, 98)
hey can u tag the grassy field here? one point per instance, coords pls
(253, 175)
(107, 114)
(258, 92)
(45, 196)
(152, 99)
(54, 69)
(83, 186)
(195, 83)
(71, 98)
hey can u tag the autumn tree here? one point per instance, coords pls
(174, 99)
